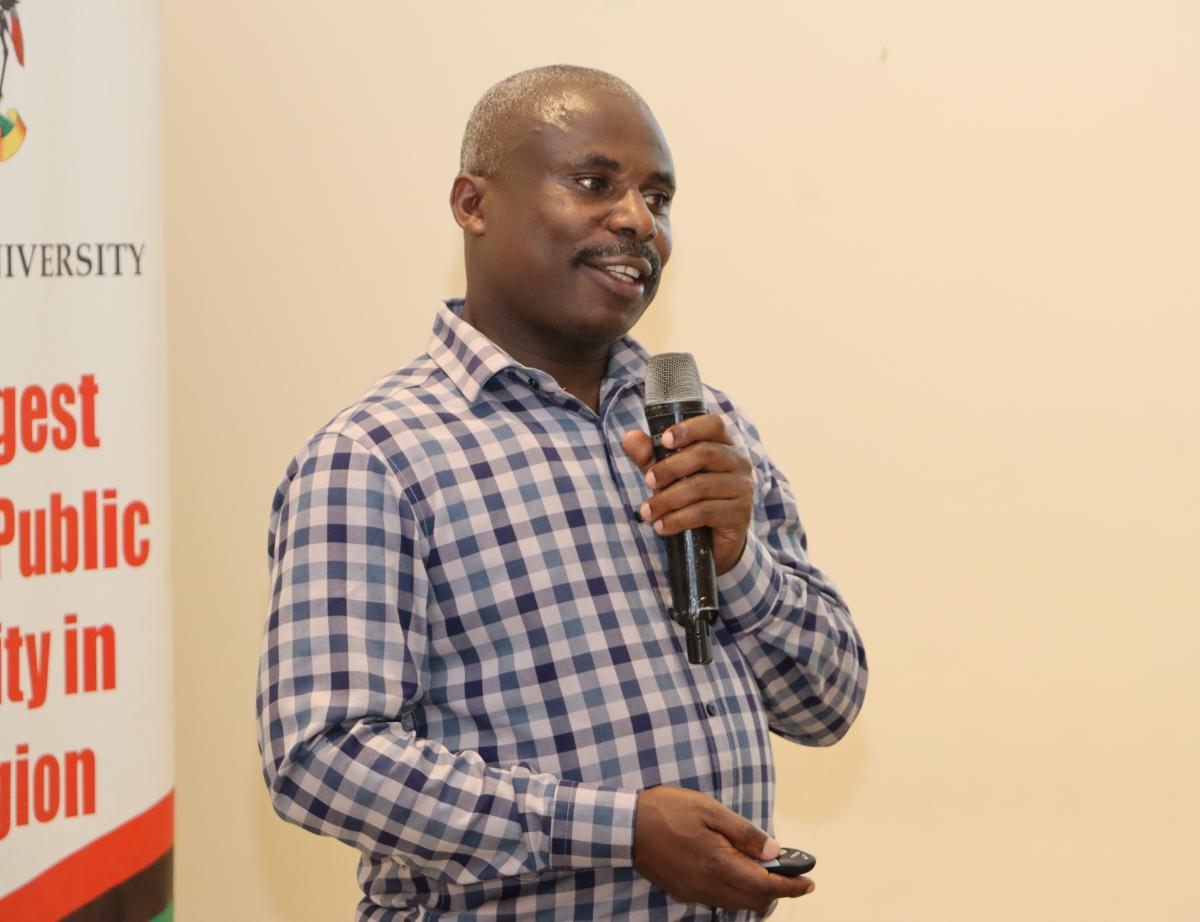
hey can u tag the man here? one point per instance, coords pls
(469, 672)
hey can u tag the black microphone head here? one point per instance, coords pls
(672, 377)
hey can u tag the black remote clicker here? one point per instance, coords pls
(791, 863)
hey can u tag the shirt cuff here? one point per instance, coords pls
(750, 590)
(592, 827)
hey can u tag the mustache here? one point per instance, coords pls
(634, 248)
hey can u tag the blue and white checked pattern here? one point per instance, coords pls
(469, 670)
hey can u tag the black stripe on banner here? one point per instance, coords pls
(137, 899)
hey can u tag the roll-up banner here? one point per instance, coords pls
(85, 629)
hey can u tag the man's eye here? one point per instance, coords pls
(658, 202)
(592, 183)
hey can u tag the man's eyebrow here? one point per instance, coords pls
(599, 162)
(663, 179)
(603, 162)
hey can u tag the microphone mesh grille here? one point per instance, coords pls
(672, 377)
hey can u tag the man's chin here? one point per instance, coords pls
(604, 322)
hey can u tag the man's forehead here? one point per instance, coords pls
(561, 105)
(572, 125)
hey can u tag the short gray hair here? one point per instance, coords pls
(547, 91)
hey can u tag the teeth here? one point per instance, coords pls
(627, 271)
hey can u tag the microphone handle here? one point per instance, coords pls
(690, 564)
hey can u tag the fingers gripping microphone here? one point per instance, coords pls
(673, 394)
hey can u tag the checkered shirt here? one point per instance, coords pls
(469, 671)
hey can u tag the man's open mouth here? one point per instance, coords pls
(628, 273)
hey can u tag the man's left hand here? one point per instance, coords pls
(705, 482)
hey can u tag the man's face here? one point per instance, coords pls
(577, 226)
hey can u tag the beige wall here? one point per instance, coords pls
(944, 253)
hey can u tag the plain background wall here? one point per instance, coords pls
(945, 254)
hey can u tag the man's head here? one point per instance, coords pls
(564, 196)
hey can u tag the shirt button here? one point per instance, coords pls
(533, 383)
(712, 709)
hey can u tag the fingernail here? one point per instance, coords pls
(659, 526)
(644, 512)
(650, 480)
(668, 439)
(770, 850)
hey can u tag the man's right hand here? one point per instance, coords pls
(700, 852)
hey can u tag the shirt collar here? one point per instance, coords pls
(470, 360)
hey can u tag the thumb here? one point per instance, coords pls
(639, 448)
(745, 836)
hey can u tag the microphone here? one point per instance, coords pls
(673, 394)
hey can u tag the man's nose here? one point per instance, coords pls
(632, 217)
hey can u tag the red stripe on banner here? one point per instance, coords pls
(96, 868)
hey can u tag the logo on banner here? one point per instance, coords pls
(12, 129)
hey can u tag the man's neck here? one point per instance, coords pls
(578, 371)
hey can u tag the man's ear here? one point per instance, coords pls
(466, 201)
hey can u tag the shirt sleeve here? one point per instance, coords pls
(787, 619)
(344, 663)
